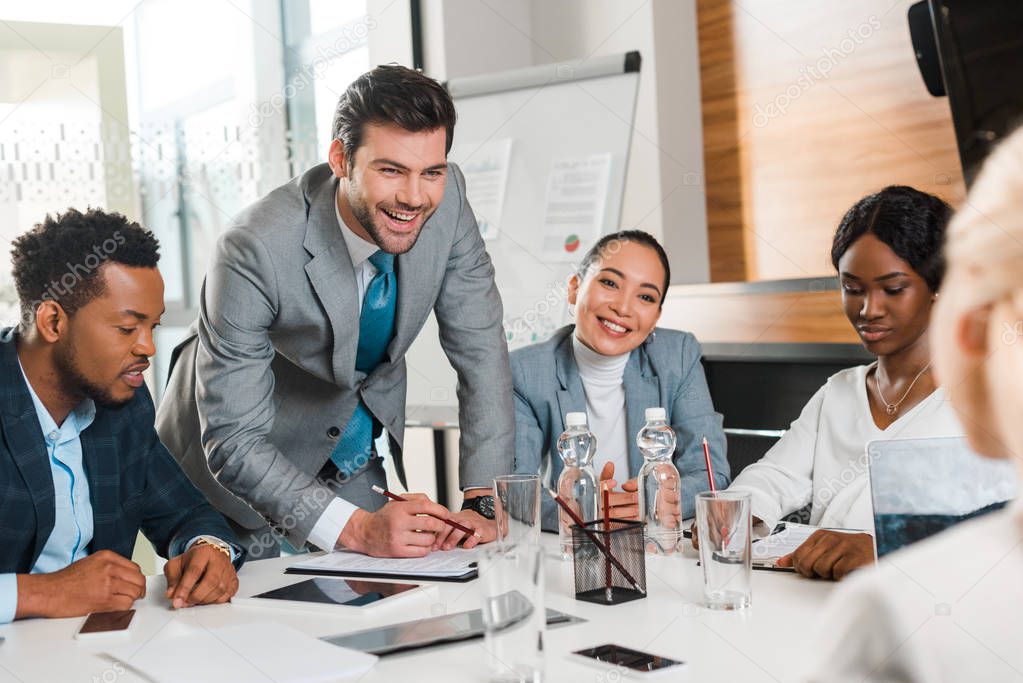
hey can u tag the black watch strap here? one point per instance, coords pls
(482, 505)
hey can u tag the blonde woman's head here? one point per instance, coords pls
(978, 323)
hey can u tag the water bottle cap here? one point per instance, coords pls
(575, 419)
(656, 414)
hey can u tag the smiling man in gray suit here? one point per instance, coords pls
(311, 301)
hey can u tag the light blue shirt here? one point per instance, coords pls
(73, 525)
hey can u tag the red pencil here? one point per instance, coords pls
(449, 522)
(607, 541)
(710, 468)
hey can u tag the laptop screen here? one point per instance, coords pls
(922, 486)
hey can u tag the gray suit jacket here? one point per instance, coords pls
(259, 398)
(664, 371)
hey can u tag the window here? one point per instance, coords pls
(328, 48)
(179, 116)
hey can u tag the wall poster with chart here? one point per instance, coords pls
(485, 167)
(574, 210)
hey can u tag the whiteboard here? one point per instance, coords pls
(529, 141)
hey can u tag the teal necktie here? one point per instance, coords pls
(376, 327)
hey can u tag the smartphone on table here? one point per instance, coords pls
(105, 623)
(625, 657)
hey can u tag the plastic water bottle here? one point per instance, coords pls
(577, 484)
(660, 494)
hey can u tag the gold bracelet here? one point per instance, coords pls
(203, 541)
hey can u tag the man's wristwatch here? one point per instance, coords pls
(481, 505)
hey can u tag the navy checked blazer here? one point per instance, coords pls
(133, 480)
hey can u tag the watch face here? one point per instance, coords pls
(484, 505)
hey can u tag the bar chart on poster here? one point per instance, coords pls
(544, 152)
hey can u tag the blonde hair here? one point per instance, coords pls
(985, 237)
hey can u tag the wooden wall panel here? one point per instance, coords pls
(726, 314)
(807, 106)
(722, 174)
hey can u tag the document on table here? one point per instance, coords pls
(457, 563)
(783, 541)
(256, 651)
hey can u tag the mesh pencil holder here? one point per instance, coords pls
(603, 581)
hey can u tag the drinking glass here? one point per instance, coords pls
(724, 524)
(514, 618)
(517, 509)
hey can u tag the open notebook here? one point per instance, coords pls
(785, 539)
(457, 564)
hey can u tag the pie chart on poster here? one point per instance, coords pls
(571, 243)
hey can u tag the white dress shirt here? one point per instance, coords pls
(330, 524)
(949, 608)
(822, 457)
(605, 406)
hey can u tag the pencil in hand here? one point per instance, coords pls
(449, 522)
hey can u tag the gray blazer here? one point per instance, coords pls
(664, 371)
(260, 396)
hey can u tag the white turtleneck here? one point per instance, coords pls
(605, 406)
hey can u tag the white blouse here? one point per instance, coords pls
(823, 456)
(949, 608)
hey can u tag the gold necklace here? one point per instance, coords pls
(890, 408)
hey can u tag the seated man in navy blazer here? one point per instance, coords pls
(81, 466)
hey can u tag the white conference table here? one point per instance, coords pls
(766, 642)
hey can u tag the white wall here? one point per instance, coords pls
(391, 41)
(664, 189)
(577, 29)
(470, 37)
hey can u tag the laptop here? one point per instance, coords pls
(920, 487)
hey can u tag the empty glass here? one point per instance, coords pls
(724, 525)
(517, 509)
(514, 617)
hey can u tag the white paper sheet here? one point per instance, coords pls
(767, 550)
(257, 651)
(574, 211)
(440, 563)
(485, 167)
